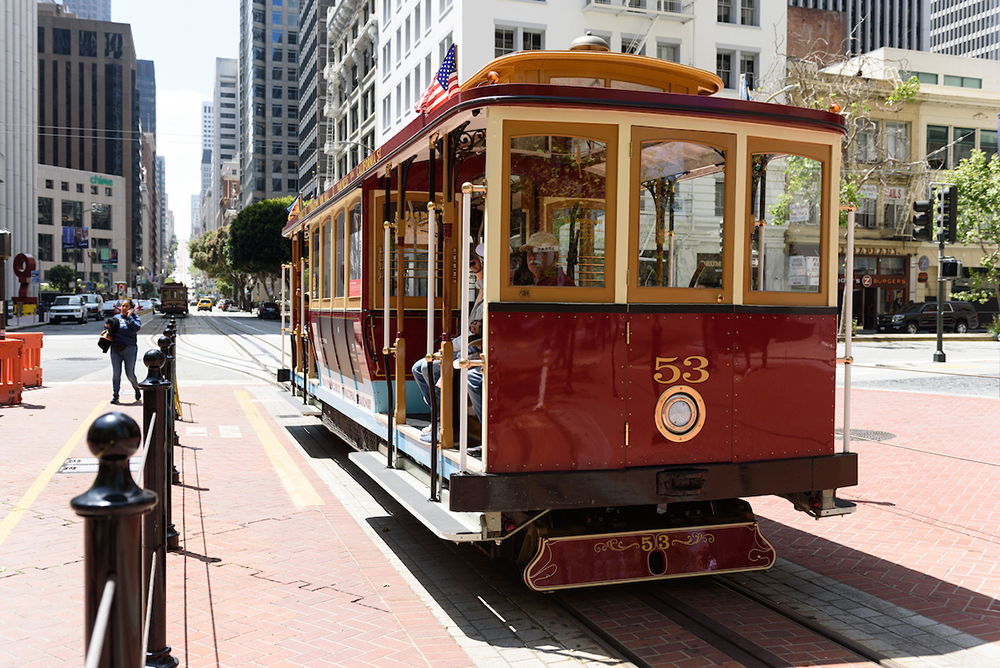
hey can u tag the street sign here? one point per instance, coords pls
(109, 267)
(34, 277)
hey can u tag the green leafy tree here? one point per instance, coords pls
(256, 246)
(978, 181)
(209, 254)
(60, 276)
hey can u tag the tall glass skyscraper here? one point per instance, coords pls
(268, 99)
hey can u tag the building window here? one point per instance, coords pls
(277, 148)
(107, 192)
(112, 45)
(897, 141)
(276, 129)
(293, 57)
(45, 247)
(988, 142)
(724, 68)
(276, 111)
(293, 112)
(895, 213)
(79, 187)
(503, 41)
(276, 166)
(867, 203)
(531, 40)
(258, 54)
(45, 211)
(41, 39)
(276, 184)
(748, 67)
(964, 141)
(100, 216)
(88, 43)
(277, 55)
(93, 190)
(275, 36)
(724, 11)
(865, 142)
(963, 82)
(937, 146)
(276, 73)
(64, 186)
(276, 92)
(748, 13)
(49, 184)
(60, 41)
(669, 52)
(293, 93)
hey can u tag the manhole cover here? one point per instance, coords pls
(866, 435)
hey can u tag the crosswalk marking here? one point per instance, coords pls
(226, 431)
(196, 431)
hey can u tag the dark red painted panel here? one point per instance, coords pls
(640, 556)
(677, 340)
(556, 393)
(784, 386)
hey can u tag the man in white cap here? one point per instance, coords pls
(542, 255)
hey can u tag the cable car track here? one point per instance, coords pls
(667, 612)
(248, 363)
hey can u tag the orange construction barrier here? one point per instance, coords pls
(31, 358)
(10, 371)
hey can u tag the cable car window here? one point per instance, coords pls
(354, 250)
(415, 250)
(786, 205)
(327, 257)
(314, 261)
(680, 242)
(339, 254)
(558, 202)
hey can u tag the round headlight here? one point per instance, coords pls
(680, 413)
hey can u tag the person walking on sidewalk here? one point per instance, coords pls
(124, 346)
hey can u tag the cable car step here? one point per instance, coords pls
(411, 494)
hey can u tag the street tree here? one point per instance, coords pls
(256, 246)
(209, 255)
(60, 276)
(978, 181)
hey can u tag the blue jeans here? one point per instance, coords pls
(476, 390)
(127, 357)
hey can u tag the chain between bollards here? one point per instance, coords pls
(112, 510)
(156, 392)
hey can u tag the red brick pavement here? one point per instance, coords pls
(926, 534)
(258, 582)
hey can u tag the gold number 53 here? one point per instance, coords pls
(667, 371)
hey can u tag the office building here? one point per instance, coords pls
(145, 84)
(963, 28)
(225, 131)
(873, 24)
(96, 10)
(383, 54)
(269, 99)
(312, 95)
(19, 141)
(87, 120)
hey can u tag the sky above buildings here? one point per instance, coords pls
(183, 38)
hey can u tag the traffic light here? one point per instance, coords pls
(951, 207)
(940, 212)
(922, 220)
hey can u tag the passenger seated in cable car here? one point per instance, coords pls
(542, 258)
(475, 340)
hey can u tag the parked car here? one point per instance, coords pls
(68, 307)
(93, 303)
(269, 310)
(204, 304)
(156, 304)
(111, 307)
(958, 317)
(226, 305)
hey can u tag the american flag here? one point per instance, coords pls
(443, 85)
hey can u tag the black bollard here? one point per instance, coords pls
(155, 392)
(112, 509)
(173, 538)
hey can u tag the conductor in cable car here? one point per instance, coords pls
(542, 256)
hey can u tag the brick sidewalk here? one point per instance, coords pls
(926, 534)
(275, 571)
(258, 581)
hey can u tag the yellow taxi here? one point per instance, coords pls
(204, 304)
